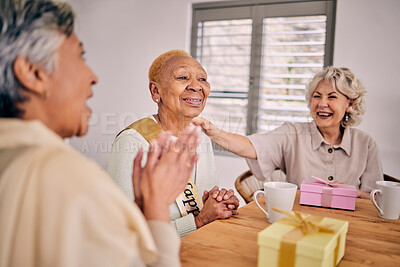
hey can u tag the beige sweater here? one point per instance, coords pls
(57, 208)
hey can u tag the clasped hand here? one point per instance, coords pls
(218, 204)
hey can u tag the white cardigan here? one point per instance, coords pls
(125, 149)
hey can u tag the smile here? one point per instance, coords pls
(195, 101)
(324, 114)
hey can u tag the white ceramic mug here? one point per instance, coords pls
(388, 198)
(279, 195)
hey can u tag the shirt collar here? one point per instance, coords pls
(346, 141)
(317, 139)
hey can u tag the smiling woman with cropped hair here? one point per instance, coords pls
(178, 85)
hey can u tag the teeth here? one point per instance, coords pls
(194, 100)
(323, 114)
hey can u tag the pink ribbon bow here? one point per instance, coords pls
(326, 199)
(320, 181)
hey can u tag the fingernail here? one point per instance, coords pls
(226, 197)
(219, 198)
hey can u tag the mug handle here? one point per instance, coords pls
(372, 195)
(258, 204)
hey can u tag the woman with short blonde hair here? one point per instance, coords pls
(347, 84)
(327, 147)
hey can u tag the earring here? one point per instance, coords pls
(346, 117)
(157, 100)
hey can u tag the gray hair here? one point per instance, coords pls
(345, 82)
(31, 28)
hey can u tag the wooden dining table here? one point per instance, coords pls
(370, 241)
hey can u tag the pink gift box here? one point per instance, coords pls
(323, 194)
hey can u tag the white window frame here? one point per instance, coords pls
(258, 10)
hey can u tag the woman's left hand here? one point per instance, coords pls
(360, 194)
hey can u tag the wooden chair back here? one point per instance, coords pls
(387, 177)
(246, 184)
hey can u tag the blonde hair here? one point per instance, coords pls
(159, 62)
(345, 82)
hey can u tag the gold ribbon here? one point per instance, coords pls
(190, 200)
(304, 224)
(147, 127)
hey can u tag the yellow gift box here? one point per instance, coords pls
(302, 240)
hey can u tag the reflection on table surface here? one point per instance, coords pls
(370, 241)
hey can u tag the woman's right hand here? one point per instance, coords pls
(235, 143)
(165, 174)
(207, 127)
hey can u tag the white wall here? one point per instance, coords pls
(367, 41)
(122, 37)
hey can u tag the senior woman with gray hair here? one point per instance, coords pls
(327, 147)
(58, 208)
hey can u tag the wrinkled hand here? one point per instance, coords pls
(165, 174)
(213, 210)
(207, 127)
(163, 142)
(362, 194)
(223, 195)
